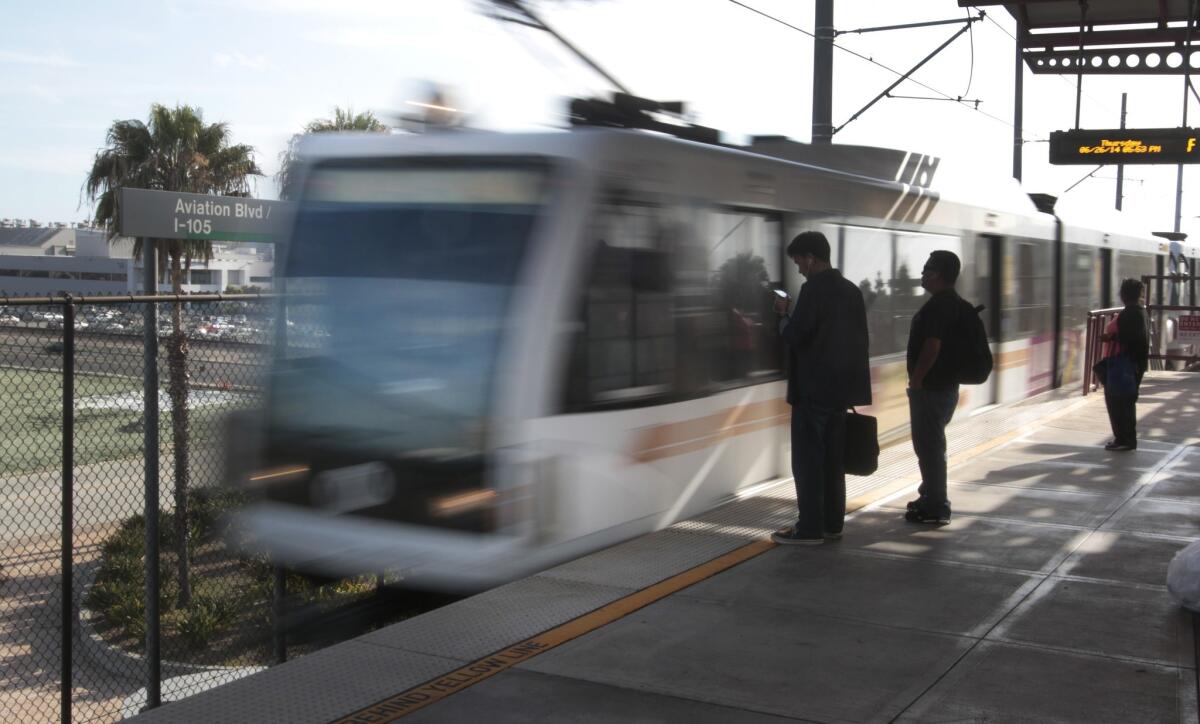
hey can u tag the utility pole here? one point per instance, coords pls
(1121, 166)
(1019, 102)
(822, 105)
(1187, 82)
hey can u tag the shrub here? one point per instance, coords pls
(202, 622)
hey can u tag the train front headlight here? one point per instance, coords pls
(280, 474)
(449, 506)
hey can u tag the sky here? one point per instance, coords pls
(69, 69)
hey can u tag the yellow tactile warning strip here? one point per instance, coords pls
(434, 690)
(394, 707)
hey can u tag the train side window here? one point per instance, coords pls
(743, 254)
(886, 265)
(1027, 303)
(1081, 285)
(624, 351)
(1131, 265)
(867, 257)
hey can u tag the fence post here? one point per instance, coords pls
(278, 611)
(68, 507)
(278, 573)
(1087, 355)
(1161, 340)
(150, 442)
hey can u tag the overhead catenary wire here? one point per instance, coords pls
(1060, 76)
(893, 71)
(971, 72)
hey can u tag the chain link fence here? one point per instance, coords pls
(73, 478)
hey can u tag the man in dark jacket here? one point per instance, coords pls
(826, 340)
(1132, 339)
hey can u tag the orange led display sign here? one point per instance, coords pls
(1125, 145)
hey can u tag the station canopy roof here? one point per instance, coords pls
(1119, 37)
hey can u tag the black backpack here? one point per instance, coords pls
(973, 356)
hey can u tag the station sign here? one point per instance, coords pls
(1087, 147)
(175, 215)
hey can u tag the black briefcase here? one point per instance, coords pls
(862, 444)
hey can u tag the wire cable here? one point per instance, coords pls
(1060, 76)
(971, 72)
(893, 71)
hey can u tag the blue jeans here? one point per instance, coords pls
(930, 412)
(818, 450)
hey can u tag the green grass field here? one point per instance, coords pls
(108, 420)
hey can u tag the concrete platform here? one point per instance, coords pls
(1043, 600)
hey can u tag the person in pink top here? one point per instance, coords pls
(1126, 352)
(1111, 347)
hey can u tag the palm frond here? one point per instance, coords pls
(175, 150)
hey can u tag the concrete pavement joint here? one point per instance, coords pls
(1142, 488)
(1090, 654)
(1131, 585)
(1039, 588)
(950, 563)
(1029, 590)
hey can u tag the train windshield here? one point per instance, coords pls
(397, 287)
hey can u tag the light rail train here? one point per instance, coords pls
(503, 351)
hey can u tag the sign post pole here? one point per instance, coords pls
(150, 462)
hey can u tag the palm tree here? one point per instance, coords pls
(175, 151)
(343, 120)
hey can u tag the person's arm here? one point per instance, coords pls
(799, 327)
(925, 360)
(781, 308)
(937, 321)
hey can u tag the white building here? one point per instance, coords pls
(57, 259)
(233, 265)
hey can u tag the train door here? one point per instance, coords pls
(1080, 288)
(1056, 308)
(744, 251)
(1158, 336)
(1106, 276)
(1193, 270)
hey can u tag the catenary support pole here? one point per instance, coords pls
(1121, 166)
(1080, 60)
(822, 105)
(1187, 82)
(1018, 102)
(150, 442)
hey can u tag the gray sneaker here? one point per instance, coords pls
(788, 537)
(920, 515)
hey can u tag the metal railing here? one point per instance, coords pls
(119, 588)
(87, 532)
(1097, 321)
(1157, 316)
